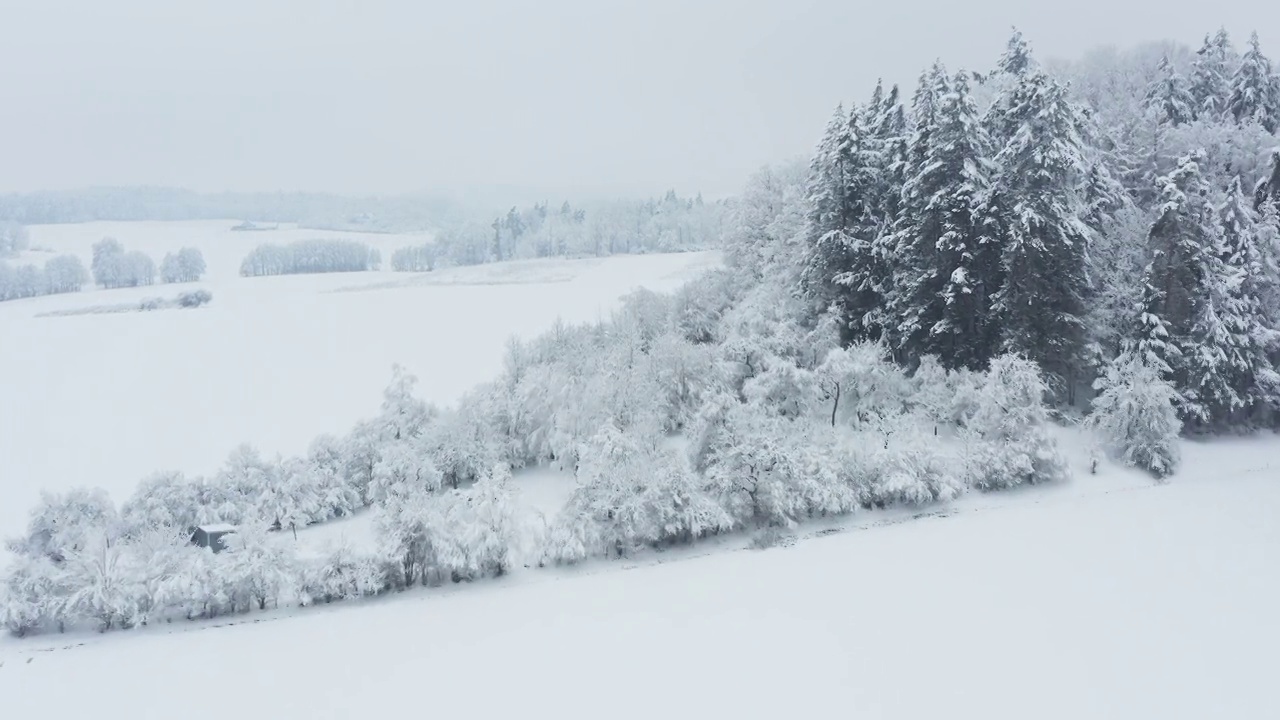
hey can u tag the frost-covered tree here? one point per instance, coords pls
(404, 465)
(65, 523)
(258, 569)
(403, 415)
(480, 528)
(630, 494)
(163, 500)
(860, 385)
(14, 238)
(1135, 415)
(342, 573)
(108, 255)
(1010, 425)
(34, 596)
(104, 583)
(1211, 74)
(1255, 90)
(1170, 95)
(65, 273)
(186, 265)
(761, 469)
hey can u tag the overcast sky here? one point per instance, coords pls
(565, 96)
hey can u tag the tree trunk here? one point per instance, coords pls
(835, 406)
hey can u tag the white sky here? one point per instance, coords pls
(561, 96)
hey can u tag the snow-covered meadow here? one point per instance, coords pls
(104, 400)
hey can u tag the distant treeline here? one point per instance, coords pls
(310, 256)
(668, 224)
(370, 213)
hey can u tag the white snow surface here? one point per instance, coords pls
(105, 400)
(1106, 597)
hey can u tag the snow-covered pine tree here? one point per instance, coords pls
(828, 247)
(1211, 76)
(1008, 81)
(1040, 306)
(917, 280)
(1252, 327)
(949, 266)
(1267, 191)
(1255, 91)
(877, 186)
(1184, 326)
(1170, 96)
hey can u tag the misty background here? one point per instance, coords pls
(566, 97)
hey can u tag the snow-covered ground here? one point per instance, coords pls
(104, 400)
(1108, 597)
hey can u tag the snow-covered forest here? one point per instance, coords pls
(1086, 217)
(898, 324)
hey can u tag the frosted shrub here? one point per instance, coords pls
(1010, 443)
(783, 388)
(914, 469)
(33, 597)
(860, 385)
(768, 471)
(105, 585)
(631, 494)
(195, 299)
(341, 574)
(258, 569)
(65, 523)
(405, 465)
(1135, 415)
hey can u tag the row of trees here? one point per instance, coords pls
(669, 224)
(61, 274)
(709, 411)
(1013, 218)
(112, 267)
(405, 213)
(310, 256)
(418, 258)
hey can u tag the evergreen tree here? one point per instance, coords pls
(1211, 76)
(950, 266)
(1192, 327)
(1102, 196)
(1169, 96)
(877, 161)
(1009, 81)
(1252, 327)
(1267, 191)
(1040, 306)
(1255, 95)
(915, 303)
(827, 246)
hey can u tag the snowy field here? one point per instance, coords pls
(104, 400)
(1108, 597)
